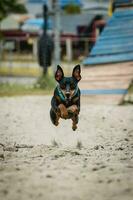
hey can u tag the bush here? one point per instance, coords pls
(46, 82)
(72, 9)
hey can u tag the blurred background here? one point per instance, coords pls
(67, 28)
(37, 35)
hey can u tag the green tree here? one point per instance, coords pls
(72, 9)
(11, 6)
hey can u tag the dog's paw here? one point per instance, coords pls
(73, 109)
(64, 115)
(56, 123)
(74, 127)
(63, 111)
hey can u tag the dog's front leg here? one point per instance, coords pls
(74, 122)
(73, 109)
(63, 111)
(54, 117)
(54, 112)
(57, 119)
(73, 112)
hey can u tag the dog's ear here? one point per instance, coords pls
(59, 74)
(76, 72)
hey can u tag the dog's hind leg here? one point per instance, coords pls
(54, 117)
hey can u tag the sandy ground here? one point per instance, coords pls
(40, 161)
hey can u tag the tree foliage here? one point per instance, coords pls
(11, 6)
(72, 9)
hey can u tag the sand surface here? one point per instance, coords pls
(41, 162)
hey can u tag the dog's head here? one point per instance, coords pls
(68, 85)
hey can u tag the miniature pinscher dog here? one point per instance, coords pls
(65, 102)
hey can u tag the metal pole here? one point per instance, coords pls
(57, 35)
(1, 51)
(10, 62)
(45, 18)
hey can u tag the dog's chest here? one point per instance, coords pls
(60, 98)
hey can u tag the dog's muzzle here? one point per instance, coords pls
(67, 95)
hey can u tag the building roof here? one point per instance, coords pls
(13, 21)
(35, 25)
(69, 23)
(9, 23)
(93, 5)
(35, 6)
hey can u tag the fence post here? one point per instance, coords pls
(69, 49)
(35, 47)
(1, 51)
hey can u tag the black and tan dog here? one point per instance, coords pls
(65, 102)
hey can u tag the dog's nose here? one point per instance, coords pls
(67, 95)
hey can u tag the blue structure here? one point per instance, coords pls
(104, 91)
(121, 2)
(36, 1)
(36, 24)
(115, 44)
(62, 3)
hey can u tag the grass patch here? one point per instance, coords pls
(7, 89)
(44, 86)
(46, 82)
(128, 99)
(130, 90)
(20, 71)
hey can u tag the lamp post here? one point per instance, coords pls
(43, 43)
(45, 18)
(56, 8)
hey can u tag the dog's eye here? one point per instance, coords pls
(63, 86)
(72, 86)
